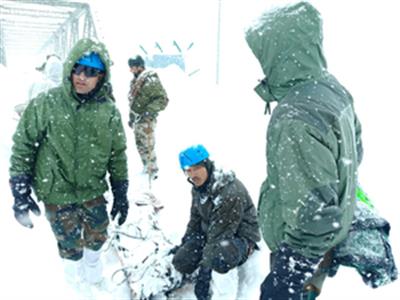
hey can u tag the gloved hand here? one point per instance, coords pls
(133, 119)
(120, 205)
(288, 275)
(202, 285)
(174, 249)
(23, 202)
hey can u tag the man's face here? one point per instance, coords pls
(85, 79)
(135, 70)
(197, 174)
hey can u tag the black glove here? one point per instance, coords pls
(173, 250)
(202, 285)
(288, 275)
(194, 236)
(120, 205)
(23, 202)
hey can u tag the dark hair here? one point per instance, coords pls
(138, 61)
(209, 165)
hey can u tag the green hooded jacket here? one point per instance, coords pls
(67, 145)
(313, 139)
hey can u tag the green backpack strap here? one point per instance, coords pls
(361, 196)
(312, 295)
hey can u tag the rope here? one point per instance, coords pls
(123, 269)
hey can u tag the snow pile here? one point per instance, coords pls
(144, 251)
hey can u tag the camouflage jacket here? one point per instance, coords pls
(147, 96)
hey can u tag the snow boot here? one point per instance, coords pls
(93, 266)
(74, 277)
(73, 271)
(225, 286)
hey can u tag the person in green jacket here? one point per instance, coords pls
(223, 230)
(307, 201)
(147, 98)
(67, 141)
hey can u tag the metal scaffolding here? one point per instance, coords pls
(30, 27)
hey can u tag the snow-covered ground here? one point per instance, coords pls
(362, 51)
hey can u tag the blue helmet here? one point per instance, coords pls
(192, 156)
(92, 60)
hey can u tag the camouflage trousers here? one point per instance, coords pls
(145, 144)
(78, 226)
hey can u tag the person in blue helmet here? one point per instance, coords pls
(222, 231)
(67, 142)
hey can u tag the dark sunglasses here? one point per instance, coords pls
(88, 71)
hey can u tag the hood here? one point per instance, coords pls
(287, 41)
(84, 47)
(54, 69)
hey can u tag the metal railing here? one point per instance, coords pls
(31, 27)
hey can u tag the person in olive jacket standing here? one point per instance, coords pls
(307, 202)
(147, 98)
(66, 142)
(223, 229)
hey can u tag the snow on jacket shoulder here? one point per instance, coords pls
(225, 210)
